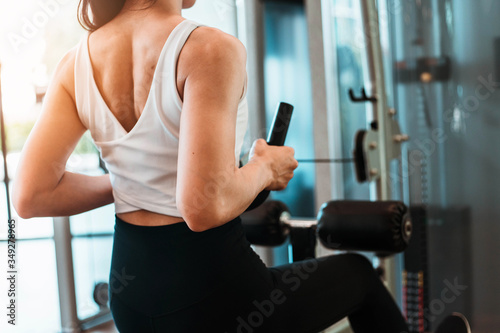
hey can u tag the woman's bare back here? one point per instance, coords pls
(126, 51)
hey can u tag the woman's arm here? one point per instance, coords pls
(211, 190)
(42, 187)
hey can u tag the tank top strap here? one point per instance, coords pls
(174, 44)
(83, 87)
(168, 101)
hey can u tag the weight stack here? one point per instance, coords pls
(416, 274)
(450, 262)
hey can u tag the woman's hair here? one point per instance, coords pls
(93, 14)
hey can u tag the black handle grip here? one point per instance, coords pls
(280, 125)
(276, 137)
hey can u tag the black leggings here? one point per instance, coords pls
(170, 279)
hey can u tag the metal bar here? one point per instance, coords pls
(253, 38)
(70, 323)
(96, 235)
(376, 78)
(440, 103)
(332, 97)
(323, 186)
(65, 275)
(100, 235)
(376, 82)
(301, 223)
(28, 239)
(3, 137)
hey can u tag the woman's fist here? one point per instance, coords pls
(280, 161)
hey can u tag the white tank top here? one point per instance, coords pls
(142, 163)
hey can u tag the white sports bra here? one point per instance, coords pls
(142, 163)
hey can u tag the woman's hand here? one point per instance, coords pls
(279, 160)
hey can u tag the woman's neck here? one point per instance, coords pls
(169, 7)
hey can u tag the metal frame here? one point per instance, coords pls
(332, 99)
(3, 137)
(375, 78)
(381, 114)
(70, 323)
(65, 275)
(251, 32)
(323, 188)
(323, 60)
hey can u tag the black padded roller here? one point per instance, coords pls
(382, 226)
(263, 225)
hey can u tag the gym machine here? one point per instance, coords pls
(375, 148)
(383, 227)
(380, 227)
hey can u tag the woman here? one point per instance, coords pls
(164, 100)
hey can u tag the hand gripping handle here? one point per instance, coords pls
(276, 137)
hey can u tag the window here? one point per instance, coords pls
(33, 37)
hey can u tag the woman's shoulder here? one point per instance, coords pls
(207, 33)
(210, 43)
(65, 71)
(211, 55)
